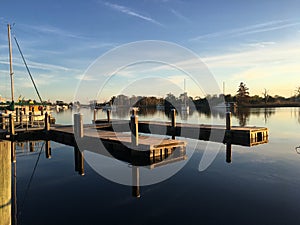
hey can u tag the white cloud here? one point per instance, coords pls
(130, 12)
(48, 29)
(252, 29)
(261, 44)
(270, 55)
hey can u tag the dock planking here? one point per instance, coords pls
(148, 145)
(245, 136)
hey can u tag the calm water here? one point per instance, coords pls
(260, 186)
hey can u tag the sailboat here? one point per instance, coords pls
(21, 111)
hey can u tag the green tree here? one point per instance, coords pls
(242, 94)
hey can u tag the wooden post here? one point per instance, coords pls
(134, 125)
(47, 122)
(21, 118)
(173, 118)
(5, 183)
(17, 114)
(48, 150)
(2, 121)
(135, 182)
(95, 116)
(78, 133)
(11, 124)
(228, 120)
(30, 119)
(228, 152)
(108, 112)
(78, 126)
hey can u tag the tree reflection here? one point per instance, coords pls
(243, 115)
(267, 113)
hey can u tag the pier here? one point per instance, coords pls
(135, 133)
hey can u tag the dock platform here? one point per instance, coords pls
(245, 136)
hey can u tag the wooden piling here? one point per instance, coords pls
(134, 125)
(11, 125)
(78, 126)
(95, 116)
(5, 183)
(47, 122)
(173, 122)
(30, 119)
(2, 121)
(108, 112)
(21, 118)
(17, 114)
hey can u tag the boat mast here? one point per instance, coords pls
(185, 93)
(10, 63)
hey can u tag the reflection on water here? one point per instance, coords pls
(259, 186)
(241, 116)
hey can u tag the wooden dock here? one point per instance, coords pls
(245, 136)
(148, 146)
(129, 140)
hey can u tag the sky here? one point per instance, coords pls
(69, 46)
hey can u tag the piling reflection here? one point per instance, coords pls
(228, 152)
(79, 161)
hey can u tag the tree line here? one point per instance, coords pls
(242, 98)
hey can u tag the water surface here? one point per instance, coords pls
(260, 186)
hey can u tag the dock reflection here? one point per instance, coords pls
(8, 170)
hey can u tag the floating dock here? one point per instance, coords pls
(119, 131)
(245, 136)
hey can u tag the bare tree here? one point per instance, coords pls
(297, 93)
(266, 95)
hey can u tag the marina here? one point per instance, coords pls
(149, 112)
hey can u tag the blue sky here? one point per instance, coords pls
(256, 42)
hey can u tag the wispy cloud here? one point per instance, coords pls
(180, 16)
(48, 29)
(252, 29)
(261, 44)
(131, 12)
